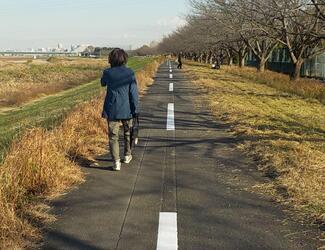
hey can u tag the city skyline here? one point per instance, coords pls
(39, 24)
(71, 47)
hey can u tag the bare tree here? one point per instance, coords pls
(252, 17)
(226, 26)
(301, 33)
(233, 27)
(319, 5)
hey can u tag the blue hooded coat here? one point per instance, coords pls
(121, 101)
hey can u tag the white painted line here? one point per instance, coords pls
(171, 76)
(170, 117)
(171, 87)
(171, 71)
(167, 232)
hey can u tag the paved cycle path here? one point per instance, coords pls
(185, 187)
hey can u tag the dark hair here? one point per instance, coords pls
(117, 57)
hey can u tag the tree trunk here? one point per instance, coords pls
(261, 64)
(295, 75)
(211, 58)
(230, 57)
(201, 57)
(230, 61)
(241, 61)
(195, 57)
(208, 58)
(242, 56)
(204, 56)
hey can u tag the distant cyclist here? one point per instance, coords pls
(121, 103)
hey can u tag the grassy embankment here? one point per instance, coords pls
(281, 125)
(47, 112)
(42, 163)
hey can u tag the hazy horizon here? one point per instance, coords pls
(40, 24)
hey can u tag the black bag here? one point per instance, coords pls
(134, 132)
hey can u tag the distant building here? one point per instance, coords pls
(42, 50)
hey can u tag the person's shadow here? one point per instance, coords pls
(100, 162)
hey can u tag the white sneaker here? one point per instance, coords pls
(127, 159)
(117, 166)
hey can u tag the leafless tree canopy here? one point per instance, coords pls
(228, 29)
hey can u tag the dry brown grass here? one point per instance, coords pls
(23, 82)
(285, 133)
(44, 163)
(145, 76)
(308, 88)
(304, 87)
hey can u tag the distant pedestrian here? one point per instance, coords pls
(216, 64)
(121, 103)
(179, 66)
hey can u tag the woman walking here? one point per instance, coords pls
(121, 103)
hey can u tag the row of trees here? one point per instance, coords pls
(231, 28)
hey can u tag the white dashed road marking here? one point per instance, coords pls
(167, 232)
(171, 87)
(170, 117)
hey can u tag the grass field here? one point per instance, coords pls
(284, 131)
(48, 111)
(22, 82)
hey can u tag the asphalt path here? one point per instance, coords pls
(184, 189)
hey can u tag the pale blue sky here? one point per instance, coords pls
(44, 23)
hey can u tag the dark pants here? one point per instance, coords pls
(179, 66)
